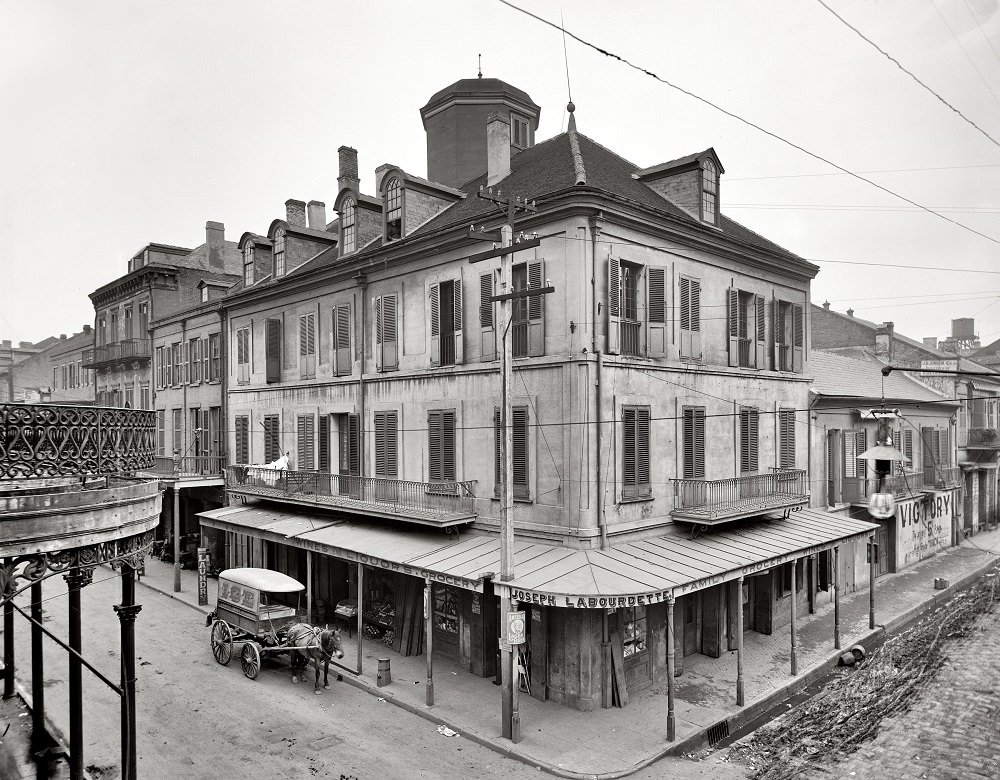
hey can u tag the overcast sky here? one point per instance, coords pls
(127, 122)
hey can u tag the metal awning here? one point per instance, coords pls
(642, 572)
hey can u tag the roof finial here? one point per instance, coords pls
(480, 66)
(571, 107)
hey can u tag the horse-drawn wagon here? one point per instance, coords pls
(259, 609)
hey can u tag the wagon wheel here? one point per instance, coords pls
(222, 642)
(251, 660)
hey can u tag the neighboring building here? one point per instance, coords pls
(161, 280)
(20, 376)
(70, 383)
(660, 405)
(850, 398)
(988, 356)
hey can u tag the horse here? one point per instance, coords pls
(307, 643)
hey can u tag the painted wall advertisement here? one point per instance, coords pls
(923, 526)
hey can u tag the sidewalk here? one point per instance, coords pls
(616, 742)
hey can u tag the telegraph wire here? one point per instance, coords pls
(885, 170)
(747, 122)
(910, 73)
(966, 53)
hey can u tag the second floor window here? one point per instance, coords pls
(393, 210)
(637, 309)
(347, 217)
(518, 451)
(272, 350)
(441, 445)
(279, 252)
(213, 356)
(161, 424)
(690, 318)
(178, 372)
(446, 322)
(746, 329)
(386, 346)
(386, 437)
(528, 314)
(194, 361)
(242, 439)
(789, 336)
(248, 264)
(341, 342)
(272, 438)
(635, 453)
(307, 346)
(693, 435)
(305, 438)
(786, 438)
(243, 356)
(749, 443)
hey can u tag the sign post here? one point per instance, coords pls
(202, 576)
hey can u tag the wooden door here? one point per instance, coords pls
(692, 623)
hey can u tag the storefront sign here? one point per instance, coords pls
(923, 526)
(202, 576)
(383, 563)
(587, 602)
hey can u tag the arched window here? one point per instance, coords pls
(279, 252)
(248, 264)
(709, 192)
(393, 210)
(347, 225)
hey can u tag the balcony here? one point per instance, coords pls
(439, 504)
(711, 502)
(127, 351)
(205, 469)
(904, 484)
(983, 439)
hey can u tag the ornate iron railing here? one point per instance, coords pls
(711, 501)
(902, 484)
(438, 503)
(129, 349)
(189, 466)
(40, 442)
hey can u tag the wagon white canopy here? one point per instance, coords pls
(263, 579)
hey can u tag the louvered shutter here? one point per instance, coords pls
(434, 296)
(448, 445)
(386, 333)
(779, 335)
(656, 307)
(642, 452)
(377, 309)
(786, 434)
(690, 318)
(459, 341)
(497, 452)
(385, 445)
(628, 447)
(272, 442)
(323, 444)
(748, 441)
(380, 454)
(760, 332)
(798, 337)
(536, 310)
(519, 454)
(354, 444)
(304, 440)
(272, 346)
(391, 445)
(242, 439)
(614, 305)
(307, 345)
(733, 313)
(342, 363)
(694, 443)
(441, 445)
(487, 329)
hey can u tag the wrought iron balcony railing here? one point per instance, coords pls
(429, 503)
(710, 502)
(902, 484)
(189, 467)
(118, 351)
(42, 441)
(984, 438)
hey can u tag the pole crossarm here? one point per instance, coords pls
(530, 243)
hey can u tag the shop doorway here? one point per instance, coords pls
(691, 626)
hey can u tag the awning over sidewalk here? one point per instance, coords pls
(644, 572)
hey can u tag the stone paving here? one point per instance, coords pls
(952, 731)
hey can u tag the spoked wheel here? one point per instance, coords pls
(222, 642)
(251, 660)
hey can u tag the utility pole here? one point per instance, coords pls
(510, 716)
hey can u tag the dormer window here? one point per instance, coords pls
(393, 210)
(248, 264)
(709, 192)
(347, 215)
(279, 252)
(519, 132)
(204, 294)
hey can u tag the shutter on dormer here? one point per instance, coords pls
(434, 297)
(656, 309)
(487, 330)
(798, 337)
(733, 309)
(459, 341)
(272, 345)
(614, 305)
(536, 310)
(760, 343)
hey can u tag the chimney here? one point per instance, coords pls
(826, 305)
(347, 176)
(215, 241)
(87, 328)
(884, 340)
(497, 148)
(62, 336)
(850, 312)
(317, 215)
(295, 213)
(931, 341)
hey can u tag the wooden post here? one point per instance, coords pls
(309, 585)
(177, 539)
(795, 584)
(836, 598)
(740, 699)
(873, 561)
(361, 609)
(429, 630)
(671, 723)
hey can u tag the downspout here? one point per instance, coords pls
(595, 231)
(362, 281)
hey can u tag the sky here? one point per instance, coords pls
(127, 122)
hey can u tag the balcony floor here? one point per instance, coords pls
(736, 510)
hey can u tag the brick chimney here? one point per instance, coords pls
(884, 340)
(497, 148)
(87, 328)
(850, 312)
(215, 241)
(295, 213)
(826, 305)
(62, 336)
(347, 176)
(317, 215)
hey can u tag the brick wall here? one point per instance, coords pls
(684, 189)
(829, 330)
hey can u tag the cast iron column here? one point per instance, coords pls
(38, 734)
(127, 611)
(8, 646)
(671, 722)
(836, 598)
(740, 698)
(75, 580)
(795, 584)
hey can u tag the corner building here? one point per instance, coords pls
(660, 397)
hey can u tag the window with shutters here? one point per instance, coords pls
(786, 438)
(689, 318)
(637, 309)
(386, 442)
(178, 442)
(903, 441)
(159, 367)
(305, 438)
(307, 345)
(518, 452)
(195, 432)
(129, 334)
(347, 217)
(635, 453)
(487, 326)
(441, 446)
(694, 442)
(936, 455)
(213, 358)
(272, 438)
(279, 252)
(178, 361)
(519, 131)
(745, 314)
(272, 350)
(242, 443)
(445, 300)
(144, 398)
(343, 364)
(349, 467)
(527, 330)
(243, 356)
(855, 442)
(393, 205)
(386, 333)
(789, 336)
(194, 360)
(749, 440)
(161, 424)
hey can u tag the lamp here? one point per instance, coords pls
(881, 504)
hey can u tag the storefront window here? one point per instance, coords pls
(379, 607)
(445, 609)
(634, 634)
